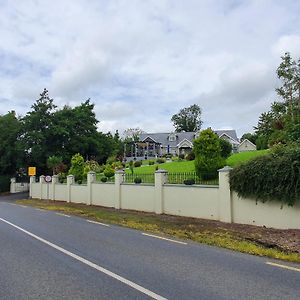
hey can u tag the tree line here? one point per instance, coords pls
(46, 131)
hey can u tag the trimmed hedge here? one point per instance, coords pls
(271, 177)
(4, 183)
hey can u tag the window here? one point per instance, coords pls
(172, 137)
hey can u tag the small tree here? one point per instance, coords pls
(226, 148)
(53, 162)
(77, 167)
(208, 157)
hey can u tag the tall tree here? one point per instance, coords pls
(36, 131)
(11, 153)
(188, 119)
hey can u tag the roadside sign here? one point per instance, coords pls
(31, 171)
(48, 178)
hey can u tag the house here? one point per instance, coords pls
(246, 145)
(152, 145)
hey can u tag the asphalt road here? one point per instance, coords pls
(45, 255)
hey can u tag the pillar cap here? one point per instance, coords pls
(91, 172)
(70, 176)
(161, 171)
(120, 172)
(225, 169)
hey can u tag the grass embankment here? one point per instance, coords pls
(188, 166)
(231, 236)
(241, 157)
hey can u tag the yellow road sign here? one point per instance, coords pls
(31, 171)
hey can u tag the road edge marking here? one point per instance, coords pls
(89, 263)
(60, 214)
(163, 238)
(283, 266)
(94, 222)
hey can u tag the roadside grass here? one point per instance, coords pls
(238, 158)
(208, 232)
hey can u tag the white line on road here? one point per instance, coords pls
(94, 222)
(23, 206)
(40, 209)
(89, 263)
(63, 215)
(283, 266)
(162, 238)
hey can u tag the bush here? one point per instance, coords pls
(77, 167)
(151, 162)
(137, 180)
(190, 156)
(181, 156)
(111, 160)
(4, 183)
(226, 148)
(189, 181)
(62, 177)
(208, 158)
(109, 171)
(137, 163)
(160, 160)
(103, 179)
(274, 176)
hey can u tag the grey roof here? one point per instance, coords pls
(163, 138)
(231, 133)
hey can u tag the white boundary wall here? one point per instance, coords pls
(207, 202)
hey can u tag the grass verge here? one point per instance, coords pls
(229, 236)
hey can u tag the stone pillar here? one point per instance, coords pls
(42, 181)
(13, 185)
(161, 177)
(119, 179)
(70, 181)
(91, 177)
(53, 183)
(31, 182)
(225, 206)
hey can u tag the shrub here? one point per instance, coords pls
(4, 183)
(189, 181)
(77, 167)
(137, 163)
(130, 164)
(103, 179)
(190, 156)
(208, 158)
(274, 176)
(160, 160)
(109, 171)
(111, 160)
(151, 162)
(174, 158)
(226, 148)
(62, 177)
(137, 180)
(181, 156)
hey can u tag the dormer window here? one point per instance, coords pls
(172, 137)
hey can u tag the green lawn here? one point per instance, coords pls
(188, 166)
(238, 158)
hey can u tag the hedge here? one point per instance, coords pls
(271, 177)
(4, 183)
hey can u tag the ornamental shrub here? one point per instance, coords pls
(190, 181)
(137, 163)
(208, 157)
(190, 156)
(151, 162)
(137, 180)
(160, 160)
(271, 177)
(4, 183)
(77, 167)
(103, 179)
(109, 171)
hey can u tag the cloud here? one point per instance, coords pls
(142, 61)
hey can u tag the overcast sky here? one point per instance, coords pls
(141, 61)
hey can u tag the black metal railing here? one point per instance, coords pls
(190, 178)
(139, 178)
